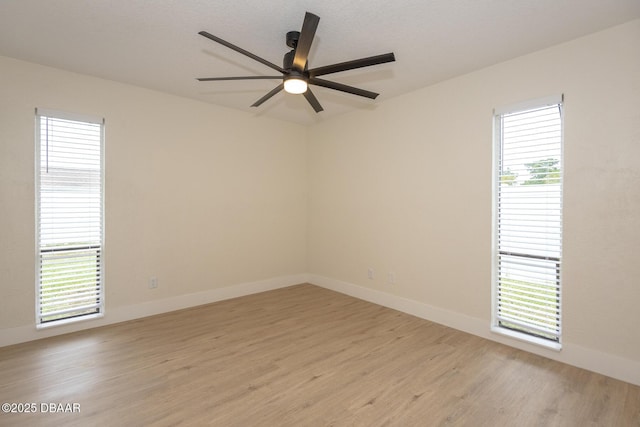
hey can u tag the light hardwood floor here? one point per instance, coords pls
(301, 356)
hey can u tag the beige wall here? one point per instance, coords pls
(407, 189)
(201, 197)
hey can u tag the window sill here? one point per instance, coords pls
(520, 336)
(63, 322)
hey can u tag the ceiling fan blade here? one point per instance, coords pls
(308, 31)
(214, 79)
(342, 88)
(275, 90)
(313, 101)
(350, 65)
(240, 50)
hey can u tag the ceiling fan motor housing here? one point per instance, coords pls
(287, 61)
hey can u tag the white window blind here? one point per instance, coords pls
(69, 217)
(529, 221)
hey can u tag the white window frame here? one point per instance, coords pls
(100, 253)
(496, 327)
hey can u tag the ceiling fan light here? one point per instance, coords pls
(295, 85)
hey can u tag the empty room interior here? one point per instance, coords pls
(240, 213)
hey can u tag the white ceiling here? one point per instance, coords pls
(155, 43)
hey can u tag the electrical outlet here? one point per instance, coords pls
(153, 282)
(391, 278)
(370, 274)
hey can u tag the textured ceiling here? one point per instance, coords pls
(154, 44)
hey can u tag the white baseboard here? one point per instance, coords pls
(593, 360)
(121, 314)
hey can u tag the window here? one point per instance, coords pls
(528, 222)
(69, 217)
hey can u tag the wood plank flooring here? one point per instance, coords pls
(300, 356)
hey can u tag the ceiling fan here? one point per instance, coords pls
(295, 73)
